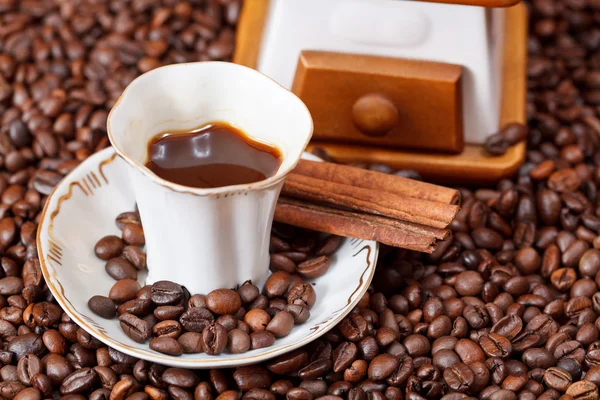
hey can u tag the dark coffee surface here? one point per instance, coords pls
(213, 155)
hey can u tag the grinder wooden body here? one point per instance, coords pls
(414, 84)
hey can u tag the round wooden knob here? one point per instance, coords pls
(374, 114)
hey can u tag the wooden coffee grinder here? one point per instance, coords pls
(414, 84)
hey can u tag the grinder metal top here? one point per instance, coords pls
(481, 3)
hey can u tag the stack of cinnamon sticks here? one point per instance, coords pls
(354, 202)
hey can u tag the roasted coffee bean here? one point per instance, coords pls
(223, 301)
(248, 292)
(228, 322)
(281, 324)
(167, 328)
(137, 307)
(476, 316)
(180, 377)
(102, 306)
(277, 284)
(469, 283)
(57, 368)
(124, 290)
(299, 394)
(538, 358)
(261, 302)
(54, 341)
(87, 341)
(314, 267)
(557, 379)
(495, 345)
(368, 348)
(261, 339)
(191, 342)
(29, 394)
(11, 285)
(354, 327)
(214, 339)
(136, 328)
(487, 238)
(445, 358)
(514, 132)
(120, 268)
(280, 262)
(288, 363)
(42, 383)
(299, 312)
(593, 375)
(382, 366)
(496, 145)
(25, 343)
(572, 367)
(253, 377)
(469, 351)
(133, 234)
(80, 381)
(238, 341)
(459, 377)
(302, 294)
(27, 367)
(145, 293)
(166, 345)
(135, 256)
(583, 389)
(509, 326)
(127, 218)
(46, 314)
(258, 394)
(416, 345)
(565, 180)
(109, 247)
(165, 293)
(563, 278)
(168, 312)
(195, 319)
(257, 319)
(344, 355)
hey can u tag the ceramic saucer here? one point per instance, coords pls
(82, 209)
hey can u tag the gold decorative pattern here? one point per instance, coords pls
(55, 248)
(103, 164)
(55, 253)
(87, 186)
(57, 243)
(96, 178)
(52, 260)
(89, 178)
(360, 283)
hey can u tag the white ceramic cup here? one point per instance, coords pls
(207, 238)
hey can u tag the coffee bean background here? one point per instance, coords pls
(507, 309)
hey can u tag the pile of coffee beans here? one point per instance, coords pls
(225, 319)
(507, 309)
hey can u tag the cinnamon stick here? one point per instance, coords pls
(363, 226)
(369, 201)
(366, 179)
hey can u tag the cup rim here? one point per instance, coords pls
(263, 184)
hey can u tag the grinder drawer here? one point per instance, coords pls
(382, 101)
